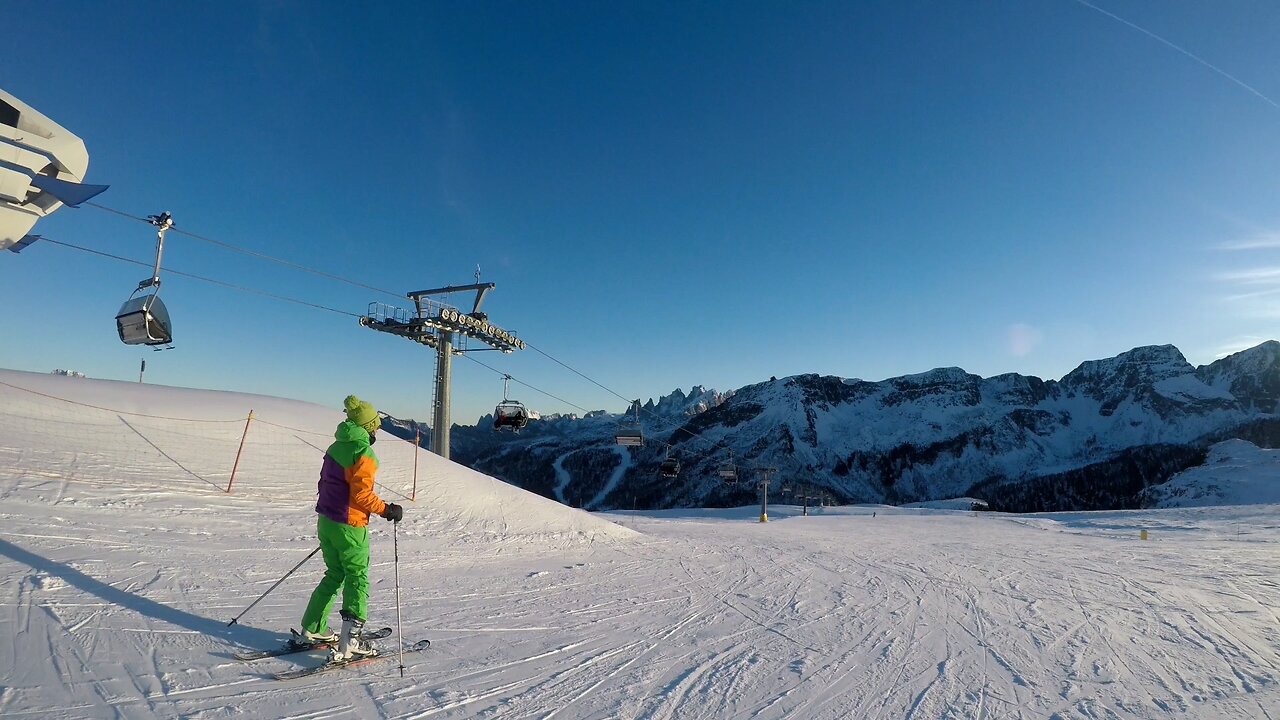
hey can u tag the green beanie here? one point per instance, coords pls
(362, 413)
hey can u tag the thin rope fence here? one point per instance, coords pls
(61, 434)
(114, 410)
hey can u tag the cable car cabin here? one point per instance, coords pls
(729, 474)
(629, 435)
(144, 321)
(510, 415)
(669, 468)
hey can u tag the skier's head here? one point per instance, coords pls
(362, 413)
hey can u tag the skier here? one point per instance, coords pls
(347, 499)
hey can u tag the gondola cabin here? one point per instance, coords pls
(629, 434)
(144, 321)
(669, 468)
(510, 415)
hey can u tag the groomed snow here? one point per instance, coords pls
(123, 559)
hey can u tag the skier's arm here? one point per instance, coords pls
(362, 494)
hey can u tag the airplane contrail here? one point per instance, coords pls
(1184, 51)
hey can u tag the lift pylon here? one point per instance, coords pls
(438, 325)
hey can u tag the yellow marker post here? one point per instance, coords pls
(1143, 535)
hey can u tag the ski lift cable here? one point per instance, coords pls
(300, 302)
(1252, 90)
(566, 366)
(252, 253)
(264, 293)
(350, 314)
(349, 281)
(531, 387)
(212, 281)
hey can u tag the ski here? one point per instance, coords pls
(295, 644)
(331, 665)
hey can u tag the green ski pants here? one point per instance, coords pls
(346, 559)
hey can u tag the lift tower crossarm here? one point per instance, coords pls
(480, 288)
(437, 326)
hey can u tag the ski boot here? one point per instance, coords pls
(351, 646)
(325, 638)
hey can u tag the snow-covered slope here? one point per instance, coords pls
(89, 429)
(122, 560)
(1236, 472)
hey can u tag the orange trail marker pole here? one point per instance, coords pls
(237, 462)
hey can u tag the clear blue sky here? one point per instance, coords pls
(666, 194)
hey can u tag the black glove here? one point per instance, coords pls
(394, 512)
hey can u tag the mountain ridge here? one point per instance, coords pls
(925, 436)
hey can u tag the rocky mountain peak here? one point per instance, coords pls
(677, 403)
(934, 377)
(1141, 365)
(1252, 376)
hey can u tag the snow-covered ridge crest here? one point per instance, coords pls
(175, 447)
(1151, 362)
(937, 376)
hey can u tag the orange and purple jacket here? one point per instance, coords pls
(346, 478)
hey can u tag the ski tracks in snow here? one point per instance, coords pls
(813, 618)
(793, 620)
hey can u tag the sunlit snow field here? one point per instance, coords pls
(123, 557)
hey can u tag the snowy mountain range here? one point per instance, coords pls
(1097, 438)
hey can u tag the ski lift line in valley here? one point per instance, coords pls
(1170, 44)
(202, 278)
(251, 253)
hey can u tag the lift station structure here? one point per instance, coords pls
(443, 327)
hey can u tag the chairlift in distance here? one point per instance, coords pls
(729, 471)
(509, 414)
(629, 433)
(670, 467)
(143, 319)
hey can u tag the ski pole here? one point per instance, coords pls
(395, 544)
(273, 587)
